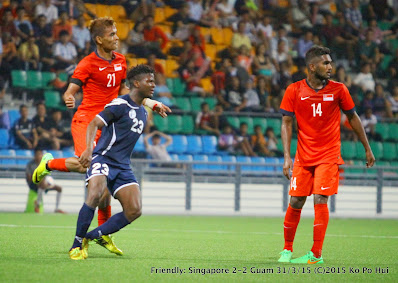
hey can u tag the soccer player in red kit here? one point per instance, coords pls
(316, 103)
(101, 75)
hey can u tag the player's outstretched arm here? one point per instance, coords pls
(69, 95)
(286, 133)
(357, 126)
(157, 106)
(95, 124)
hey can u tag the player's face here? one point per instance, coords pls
(110, 40)
(147, 85)
(323, 67)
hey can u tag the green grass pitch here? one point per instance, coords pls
(33, 248)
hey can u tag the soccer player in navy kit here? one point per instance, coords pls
(122, 122)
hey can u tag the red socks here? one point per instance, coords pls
(104, 214)
(320, 226)
(57, 164)
(292, 219)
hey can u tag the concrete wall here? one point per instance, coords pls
(207, 199)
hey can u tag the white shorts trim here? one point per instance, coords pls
(125, 185)
(93, 176)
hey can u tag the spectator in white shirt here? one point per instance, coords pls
(65, 53)
(81, 36)
(157, 150)
(47, 9)
(365, 79)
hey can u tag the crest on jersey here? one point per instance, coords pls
(132, 114)
(118, 67)
(328, 97)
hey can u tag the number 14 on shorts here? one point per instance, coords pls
(293, 185)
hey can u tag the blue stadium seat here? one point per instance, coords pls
(258, 167)
(139, 146)
(215, 158)
(184, 157)
(4, 136)
(228, 158)
(200, 157)
(9, 157)
(209, 144)
(56, 153)
(174, 157)
(194, 144)
(28, 154)
(13, 116)
(179, 144)
(273, 160)
(245, 159)
(68, 153)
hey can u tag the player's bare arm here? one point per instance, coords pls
(286, 133)
(356, 125)
(157, 106)
(69, 95)
(95, 124)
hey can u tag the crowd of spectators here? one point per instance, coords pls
(249, 74)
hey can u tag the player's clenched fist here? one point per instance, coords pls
(85, 158)
(69, 101)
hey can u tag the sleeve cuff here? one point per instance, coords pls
(286, 113)
(352, 110)
(76, 81)
(102, 119)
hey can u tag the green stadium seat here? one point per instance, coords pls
(377, 148)
(262, 122)
(196, 102)
(393, 132)
(160, 123)
(383, 129)
(348, 150)
(188, 126)
(276, 125)
(249, 122)
(233, 121)
(63, 77)
(393, 44)
(389, 151)
(178, 87)
(394, 164)
(19, 78)
(183, 103)
(52, 99)
(293, 147)
(385, 62)
(350, 170)
(47, 77)
(211, 101)
(384, 25)
(34, 80)
(174, 124)
(169, 83)
(360, 151)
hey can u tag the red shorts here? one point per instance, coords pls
(322, 179)
(79, 131)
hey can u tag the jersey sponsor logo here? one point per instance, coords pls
(118, 67)
(322, 188)
(304, 98)
(101, 69)
(328, 97)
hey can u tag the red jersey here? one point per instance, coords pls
(100, 80)
(318, 118)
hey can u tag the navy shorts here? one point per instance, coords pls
(117, 176)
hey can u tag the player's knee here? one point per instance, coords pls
(93, 198)
(133, 213)
(297, 202)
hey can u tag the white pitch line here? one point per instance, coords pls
(200, 231)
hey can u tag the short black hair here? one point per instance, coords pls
(137, 71)
(22, 106)
(63, 33)
(203, 104)
(314, 52)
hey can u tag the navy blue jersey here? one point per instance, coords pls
(124, 123)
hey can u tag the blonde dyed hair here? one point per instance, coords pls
(97, 26)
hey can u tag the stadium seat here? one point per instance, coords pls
(52, 99)
(393, 131)
(140, 146)
(118, 13)
(229, 158)
(377, 148)
(179, 144)
(212, 101)
(348, 150)
(160, 123)
(19, 78)
(200, 157)
(386, 62)
(160, 15)
(211, 51)
(188, 126)
(25, 156)
(262, 122)
(244, 159)
(9, 157)
(103, 10)
(217, 36)
(34, 80)
(185, 157)
(194, 144)
(273, 160)
(260, 166)
(196, 103)
(56, 153)
(249, 122)
(174, 124)
(171, 67)
(46, 78)
(349, 170)
(123, 29)
(91, 7)
(276, 125)
(4, 136)
(383, 129)
(178, 87)
(69, 153)
(227, 35)
(209, 144)
(13, 116)
(174, 157)
(233, 121)
(293, 147)
(207, 85)
(63, 76)
(389, 151)
(215, 158)
(360, 151)
(183, 103)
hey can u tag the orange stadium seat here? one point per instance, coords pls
(161, 62)
(227, 35)
(103, 10)
(217, 35)
(168, 11)
(211, 51)
(159, 15)
(206, 33)
(131, 62)
(171, 68)
(165, 29)
(91, 7)
(207, 85)
(141, 61)
(122, 30)
(283, 3)
(117, 12)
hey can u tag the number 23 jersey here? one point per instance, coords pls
(124, 123)
(318, 119)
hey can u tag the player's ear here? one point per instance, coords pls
(98, 39)
(136, 83)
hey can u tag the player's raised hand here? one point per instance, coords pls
(287, 167)
(85, 158)
(162, 110)
(69, 100)
(370, 159)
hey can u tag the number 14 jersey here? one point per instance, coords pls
(318, 119)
